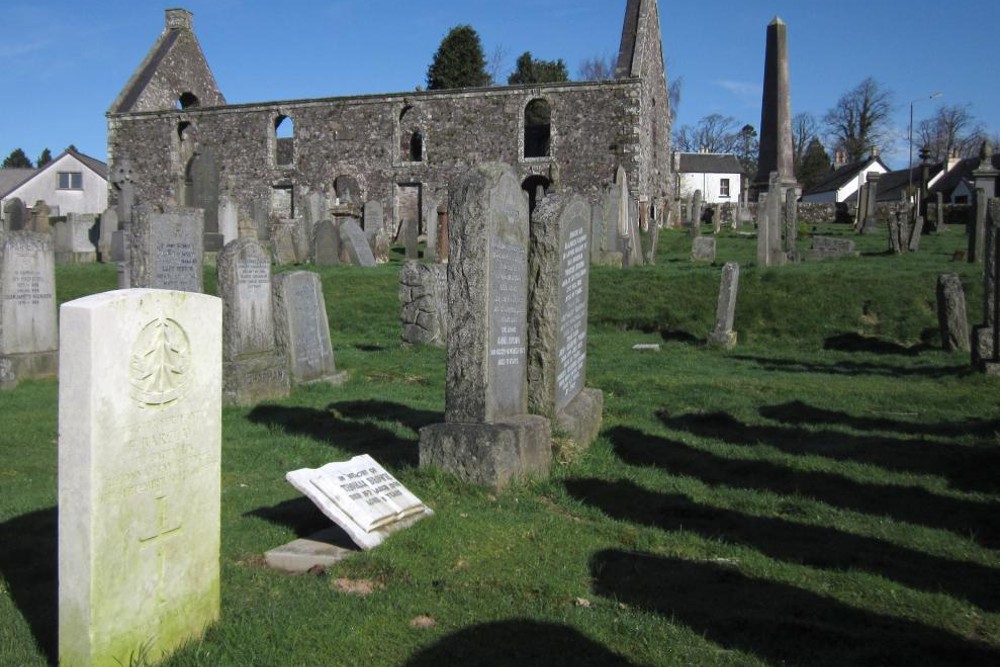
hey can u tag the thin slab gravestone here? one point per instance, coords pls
(301, 328)
(423, 300)
(952, 318)
(326, 243)
(725, 314)
(109, 225)
(140, 434)
(559, 279)
(28, 335)
(253, 370)
(354, 246)
(167, 249)
(488, 438)
(373, 220)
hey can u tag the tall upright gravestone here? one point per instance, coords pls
(301, 328)
(559, 279)
(140, 433)
(252, 369)
(488, 438)
(28, 335)
(167, 249)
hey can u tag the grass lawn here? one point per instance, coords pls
(827, 493)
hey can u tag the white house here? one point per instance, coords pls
(844, 182)
(717, 175)
(71, 183)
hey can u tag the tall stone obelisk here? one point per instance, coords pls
(776, 114)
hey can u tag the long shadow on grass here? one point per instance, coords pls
(815, 546)
(346, 425)
(777, 622)
(852, 368)
(300, 515)
(969, 468)
(517, 642)
(976, 521)
(854, 342)
(29, 563)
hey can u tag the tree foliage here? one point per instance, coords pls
(860, 119)
(459, 61)
(44, 158)
(17, 160)
(814, 166)
(805, 128)
(529, 70)
(748, 150)
(714, 133)
(952, 129)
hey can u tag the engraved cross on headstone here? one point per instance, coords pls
(155, 537)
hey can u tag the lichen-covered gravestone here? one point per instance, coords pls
(423, 301)
(952, 318)
(301, 328)
(326, 243)
(725, 314)
(354, 246)
(703, 249)
(28, 335)
(488, 438)
(253, 370)
(559, 279)
(167, 249)
(140, 432)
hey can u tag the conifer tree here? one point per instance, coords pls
(459, 61)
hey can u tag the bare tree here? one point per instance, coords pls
(805, 128)
(860, 120)
(496, 65)
(714, 133)
(597, 68)
(674, 96)
(951, 130)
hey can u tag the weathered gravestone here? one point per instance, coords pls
(423, 301)
(166, 249)
(301, 328)
(252, 368)
(28, 336)
(697, 209)
(40, 214)
(870, 221)
(611, 253)
(826, 247)
(986, 336)
(109, 225)
(229, 219)
(361, 497)
(374, 220)
(977, 231)
(140, 434)
(15, 215)
(260, 211)
(952, 318)
(597, 234)
(703, 249)
(488, 438)
(410, 228)
(72, 239)
(725, 312)
(559, 279)
(326, 243)
(282, 235)
(354, 248)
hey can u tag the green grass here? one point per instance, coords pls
(824, 494)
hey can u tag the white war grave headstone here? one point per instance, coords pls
(140, 433)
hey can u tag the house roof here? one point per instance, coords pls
(708, 163)
(840, 177)
(960, 172)
(12, 179)
(893, 184)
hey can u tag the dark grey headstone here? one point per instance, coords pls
(326, 243)
(952, 316)
(29, 339)
(302, 330)
(697, 208)
(15, 215)
(354, 245)
(166, 249)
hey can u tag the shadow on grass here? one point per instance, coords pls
(517, 642)
(854, 342)
(852, 368)
(779, 623)
(300, 515)
(814, 546)
(347, 425)
(29, 561)
(970, 468)
(973, 520)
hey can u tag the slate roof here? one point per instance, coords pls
(961, 172)
(839, 177)
(11, 179)
(893, 184)
(708, 163)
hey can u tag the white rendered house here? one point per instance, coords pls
(717, 175)
(70, 183)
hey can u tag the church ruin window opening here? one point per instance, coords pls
(284, 141)
(536, 186)
(187, 100)
(537, 128)
(411, 137)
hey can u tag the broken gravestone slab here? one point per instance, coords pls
(360, 497)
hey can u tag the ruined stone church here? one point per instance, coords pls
(186, 146)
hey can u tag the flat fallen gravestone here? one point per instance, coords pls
(360, 497)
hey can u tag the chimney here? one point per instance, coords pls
(839, 159)
(179, 19)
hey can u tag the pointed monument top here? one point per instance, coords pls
(776, 21)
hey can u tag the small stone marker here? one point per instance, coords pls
(40, 214)
(725, 313)
(301, 328)
(28, 336)
(167, 249)
(952, 316)
(703, 249)
(646, 347)
(826, 247)
(353, 244)
(423, 300)
(361, 497)
(488, 438)
(140, 433)
(253, 369)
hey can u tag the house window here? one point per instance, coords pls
(70, 180)
(724, 187)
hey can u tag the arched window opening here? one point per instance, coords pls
(411, 137)
(537, 128)
(416, 146)
(284, 141)
(187, 100)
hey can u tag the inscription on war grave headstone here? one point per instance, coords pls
(140, 434)
(28, 334)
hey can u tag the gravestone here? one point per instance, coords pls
(326, 243)
(260, 211)
(140, 433)
(252, 368)
(229, 219)
(15, 215)
(703, 249)
(916, 233)
(433, 222)
(487, 438)
(40, 214)
(28, 335)
(72, 239)
(977, 235)
(633, 239)
(870, 221)
(354, 248)
(423, 300)
(166, 249)
(361, 497)
(282, 235)
(410, 239)
(109, 225)
(559, 284)
(791, 224)
(986, 336)
(725, 313)
(952, 318)
(654, 237)
(374, 220)
(123, 194)
(697, 208)
(597, 235)
(301, 328)
(612, 223)
(826, 247)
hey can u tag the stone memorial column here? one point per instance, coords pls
(696, 210)
(977, 236)
(871, 223)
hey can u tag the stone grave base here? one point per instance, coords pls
(581, 418)
(336, 379)
(247, 382)
(322, 549)
(17, 367)
(615, 259)
(489, 454)
(724, 339)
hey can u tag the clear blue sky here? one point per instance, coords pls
(63, 62)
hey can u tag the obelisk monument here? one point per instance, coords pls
(776, 114)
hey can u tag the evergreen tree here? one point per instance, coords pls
(530, 70)
(459, 61)
(17, 160)
(44, 158)
(815, 165)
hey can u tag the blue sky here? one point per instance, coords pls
(62, 63)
